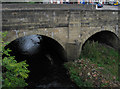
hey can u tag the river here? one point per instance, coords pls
(46, 62)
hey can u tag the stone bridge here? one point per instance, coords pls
(70, 25)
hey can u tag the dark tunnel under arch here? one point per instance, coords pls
(105, 37)
(45, 54)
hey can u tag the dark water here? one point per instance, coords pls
(45, 57)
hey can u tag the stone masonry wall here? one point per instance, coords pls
(70, 25)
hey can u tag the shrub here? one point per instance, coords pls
(13, 73)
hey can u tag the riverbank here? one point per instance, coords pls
(96, 67)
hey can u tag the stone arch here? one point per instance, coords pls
(50, 60)
(91, 33)
(11, 36)
(56, 40)
(111, 33)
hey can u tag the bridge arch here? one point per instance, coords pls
(15, 34)
(53, 54)
(49, 40)
(94, 31)
(108, 37)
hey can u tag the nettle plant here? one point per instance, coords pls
(13, 73)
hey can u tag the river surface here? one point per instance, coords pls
(46, 61)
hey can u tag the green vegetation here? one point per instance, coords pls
(75, 70)
(96, 67)
(102, 55)
(13, 73)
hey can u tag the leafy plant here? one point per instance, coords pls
(13, 73)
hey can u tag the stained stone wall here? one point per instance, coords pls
(69, 25)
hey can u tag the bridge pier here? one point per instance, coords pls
(73, 51)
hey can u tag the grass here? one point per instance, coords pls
(105, 61)
(102, 55)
